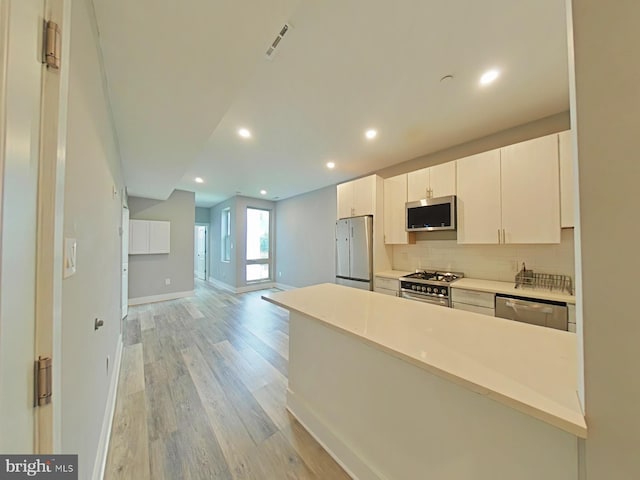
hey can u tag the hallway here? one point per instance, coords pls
(202, 394)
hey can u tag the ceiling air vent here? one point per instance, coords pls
(271, 51)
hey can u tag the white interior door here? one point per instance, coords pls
(125, 261)
(201, 252)
(20, 104)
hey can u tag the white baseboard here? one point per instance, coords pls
(107, 421)
(283, 286)
(160, 298)
(222, 285)
(255, 286)
(247, 288)
(335, 446)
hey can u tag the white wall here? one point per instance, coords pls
(490, 262)
(305, 229)
(202, 215)
(605, 112)
(222, 271)
(147, 273)
(92, 216)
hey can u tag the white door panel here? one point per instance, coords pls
(20, 103)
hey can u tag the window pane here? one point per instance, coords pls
(257, 271)
(225, 235)
(257, 234)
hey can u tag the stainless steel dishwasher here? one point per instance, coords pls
(545, 313)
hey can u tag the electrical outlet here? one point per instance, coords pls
(167, 281)
(279, 274)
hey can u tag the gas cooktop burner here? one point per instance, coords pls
(436, 276)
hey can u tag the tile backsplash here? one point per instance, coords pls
(489, 262)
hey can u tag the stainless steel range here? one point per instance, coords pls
(429, 286)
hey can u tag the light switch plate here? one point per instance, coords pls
(70, 248)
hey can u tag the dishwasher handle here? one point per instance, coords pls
(536, 307)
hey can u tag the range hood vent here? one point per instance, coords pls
(271, 51)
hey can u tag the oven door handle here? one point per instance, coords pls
(431, 300)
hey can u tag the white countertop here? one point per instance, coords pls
(508, 288)
(528, 368)
(395, 274)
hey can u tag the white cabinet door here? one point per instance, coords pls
(442, 179)
(138, 237)
(357, 197)
(345, 200)
(159, 237)
(364, 196)
(418, 185)
(478, 189)
(395, 197)
(531, 191)
(567, 190)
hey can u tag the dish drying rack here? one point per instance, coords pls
(527, 278)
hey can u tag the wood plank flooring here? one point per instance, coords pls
(202, 395)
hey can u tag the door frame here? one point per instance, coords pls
(50, 232)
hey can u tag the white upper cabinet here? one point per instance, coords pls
(418, 185)
(567, 190)
(138, 237)
(510, 195)
(531, 191)
(159, 237)
(345, 200)
(357, 197)
(479, 211)
(437, 181)
(395, 198)
(149, 237)
(442, 179)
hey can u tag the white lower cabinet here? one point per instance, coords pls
(473, 301)
(387, 286)
(572, 318)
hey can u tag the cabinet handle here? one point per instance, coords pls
(499, 236)
(504, 237)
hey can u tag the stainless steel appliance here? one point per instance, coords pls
(354, 252)
(545, 313)
(431, 214)
(429, 286)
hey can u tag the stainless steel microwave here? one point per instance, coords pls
(431, 214)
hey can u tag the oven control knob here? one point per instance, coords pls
(413, 287)
(424, 289)
(429, 289)
(443, 291)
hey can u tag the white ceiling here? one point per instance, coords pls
(184, 76)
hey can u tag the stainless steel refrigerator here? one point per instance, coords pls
(354, 252)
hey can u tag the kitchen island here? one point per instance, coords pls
(397, 389)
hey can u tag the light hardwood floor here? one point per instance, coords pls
(202, 394)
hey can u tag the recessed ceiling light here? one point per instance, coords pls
(199, 180)
(331, 165)
(244, 133)
(371, 134)
(489, 76)
(263, 192)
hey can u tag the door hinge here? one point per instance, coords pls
(52, 45)
(43, 383)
